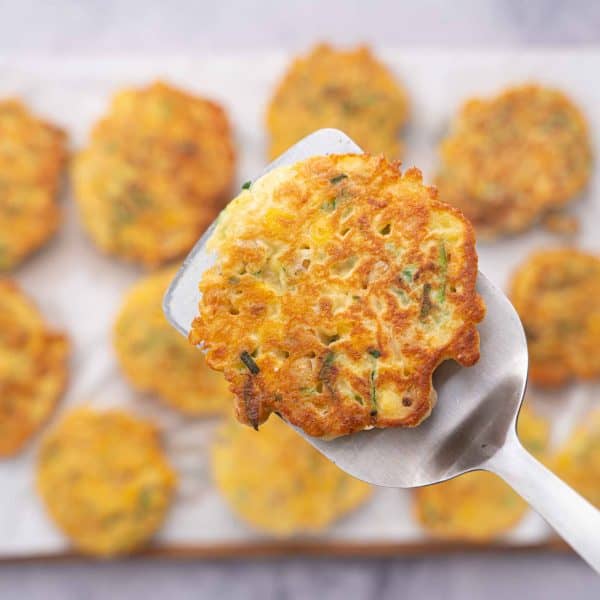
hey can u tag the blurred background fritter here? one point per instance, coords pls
(33, 368)
(158, 359)
(347, 89)
(509, 159)
(32, 158)
(479, 506)
(104, 480)
(557, 295)
(157, 170)
(277, 482)
(578, 461)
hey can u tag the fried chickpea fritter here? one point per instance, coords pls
(479, 506)
(157, 359)
(557, 295)
(104, 480)
(510, 159)
(156, 172)
(32, 157)
(349, 90)
(578, 462)
(339, 286)
(33, 368)
(279, 483)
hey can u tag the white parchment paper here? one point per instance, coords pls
(79, 290)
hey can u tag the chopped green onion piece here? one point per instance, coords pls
(425, 301)
(249, 362)
(329, 206)
(444, 271)
(374, 352)
(373, 392)
(338, 178)
(409, 272)
(246, 185)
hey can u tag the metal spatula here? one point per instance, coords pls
(473, 425)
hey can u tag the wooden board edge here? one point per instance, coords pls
(290, 549)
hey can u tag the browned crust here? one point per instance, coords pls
(150, 182)
(557, 295)
(44, 353)
(335, 350)
(32, 170)
(510, 159)
(350, 90)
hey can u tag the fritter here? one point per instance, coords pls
(155, 173)
(510, 159)
(578, 461)
(479, 506)
(32, 158)
(104, 480)
(279, 483)
(557, 295)
(340, 285)
(157, 359)
(350, 90)
(33, 368)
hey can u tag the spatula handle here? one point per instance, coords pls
(573, 517)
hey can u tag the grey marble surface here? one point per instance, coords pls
(100, 27)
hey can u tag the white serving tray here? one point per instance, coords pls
(80, 290)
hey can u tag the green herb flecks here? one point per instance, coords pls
(443, 260)
(426, 305)
(401, 294)
(374, 352)
(308, 391)
(330, 205)
(249, 362)
(144, 499)
(338, 178)
(408, 273)
(246, 185)
(326, 371)
(359, 399)
(373, 391)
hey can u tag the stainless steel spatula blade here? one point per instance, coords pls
(473, 425)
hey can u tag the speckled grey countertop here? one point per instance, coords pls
(101, 27)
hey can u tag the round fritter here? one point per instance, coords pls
(339, 286)
(557, 295)
(104, 480)
(279, 483)
(155, 173)
(509, 159)
(158, 359)
(32, 158)
(33, 368)
(349, 90)
(479, 506)
(578, 461)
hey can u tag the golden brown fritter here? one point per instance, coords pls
(155, 174)
(479, 506)
(578, 461)
(104, 480)
(340, 285)
(509, 159)
(157, 359)
(279, 483)
(32, 157)
(350, 90)
(557, 295)
(33, 368)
